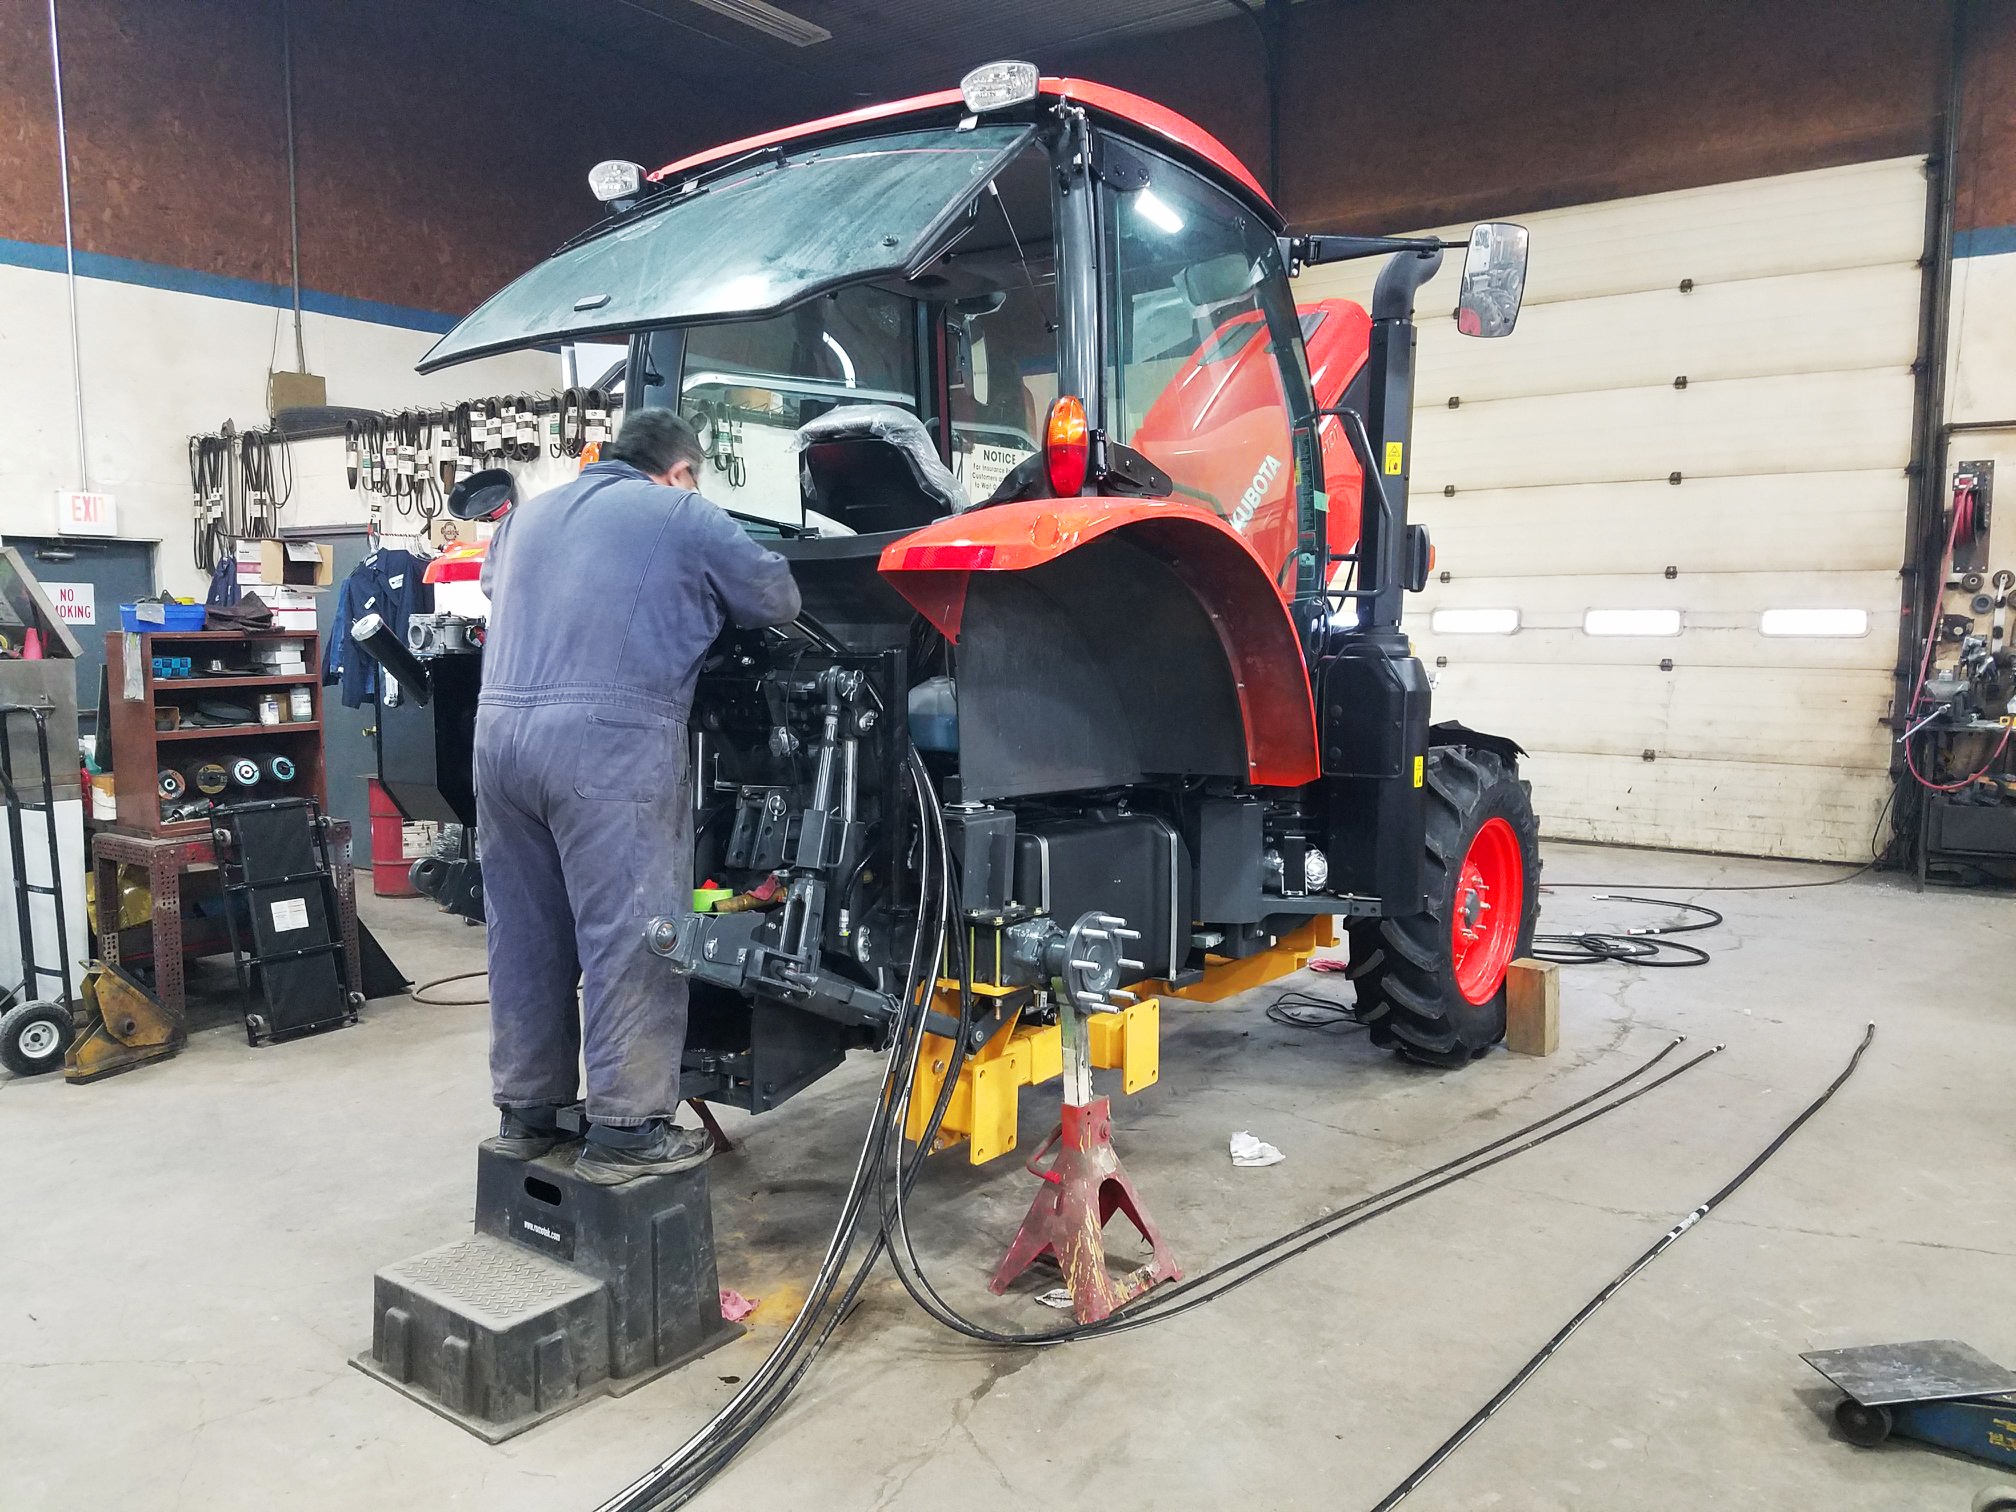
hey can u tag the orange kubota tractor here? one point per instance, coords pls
(1103, 543)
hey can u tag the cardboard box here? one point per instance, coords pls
(298, 564)
(293, 608)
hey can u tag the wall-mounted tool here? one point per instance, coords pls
(1973, 494)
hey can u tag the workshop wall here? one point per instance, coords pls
(441, 150)
(1417, 114)
(1981, 359)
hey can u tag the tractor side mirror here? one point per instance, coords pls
(1494, 280)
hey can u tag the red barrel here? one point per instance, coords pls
(389, 865)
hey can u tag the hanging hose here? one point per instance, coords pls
(881, 1171)
(685, 1472)
(1665, 1242)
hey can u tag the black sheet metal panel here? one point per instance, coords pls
(349, 754)
(1109, 860)
(843, 589)
(427, 752)
(755, 1055)
(1960, 828)
(1926, 1370)
(1096, 670)
(1227, 838)
(1372, 715)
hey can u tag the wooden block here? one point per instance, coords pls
(1532, 1007)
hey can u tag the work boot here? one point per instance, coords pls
(657, 1148)
(527, 1133)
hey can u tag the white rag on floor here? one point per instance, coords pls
(1248, 1151)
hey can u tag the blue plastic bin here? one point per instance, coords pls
(178, 617)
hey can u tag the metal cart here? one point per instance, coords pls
(36, 1028)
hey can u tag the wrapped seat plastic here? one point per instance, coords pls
(873, 468)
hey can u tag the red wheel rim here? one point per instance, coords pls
(1490, 900)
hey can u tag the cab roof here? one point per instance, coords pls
(1102, 99)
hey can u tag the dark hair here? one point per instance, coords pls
(654, 441)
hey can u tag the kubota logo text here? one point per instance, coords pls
(1249, 501)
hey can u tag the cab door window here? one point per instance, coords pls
(1197, 376)
(998, 297)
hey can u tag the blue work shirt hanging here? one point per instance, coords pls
(390, 583)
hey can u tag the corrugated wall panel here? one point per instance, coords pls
(1732, 806)
(1575, 472)
(1813, 323)
(1732, 524)
(1799, 422)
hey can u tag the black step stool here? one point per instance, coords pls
(567, 1290)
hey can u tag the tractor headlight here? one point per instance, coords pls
(995, 86)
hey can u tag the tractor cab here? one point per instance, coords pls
(1102, 542)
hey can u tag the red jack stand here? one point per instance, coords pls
(1066, 1222)
(722, 1143)
(1085, 1185)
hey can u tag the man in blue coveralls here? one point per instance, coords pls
(604, 596)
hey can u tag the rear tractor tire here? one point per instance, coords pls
(1432, 985)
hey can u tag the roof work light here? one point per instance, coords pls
(614, 180)
(995, 86)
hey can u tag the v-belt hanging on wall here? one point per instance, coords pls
(414, 458)
(239, 481)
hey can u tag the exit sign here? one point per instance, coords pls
(81, 513)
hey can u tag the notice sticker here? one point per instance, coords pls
(290, 914)
(987, 465)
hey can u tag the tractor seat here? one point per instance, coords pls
(873, 468)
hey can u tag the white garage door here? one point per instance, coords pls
(1752, 341)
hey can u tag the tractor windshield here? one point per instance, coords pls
(966, 343)
(754, 239)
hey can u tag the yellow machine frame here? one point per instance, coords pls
(982, 1110)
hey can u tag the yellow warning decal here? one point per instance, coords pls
(1420, 763)
(1396, 453)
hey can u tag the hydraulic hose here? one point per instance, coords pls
(882, 1173)
(1659, 1247)
(685, 1472)
(1171, 1301)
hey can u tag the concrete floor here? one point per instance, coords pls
(188, 1253)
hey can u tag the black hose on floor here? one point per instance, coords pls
(1665, 1242)
(461, 1002)
(1645, 945)
(1174, 1300)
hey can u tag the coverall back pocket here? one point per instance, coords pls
(625, 757)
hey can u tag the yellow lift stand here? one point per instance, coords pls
(982, 1109)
